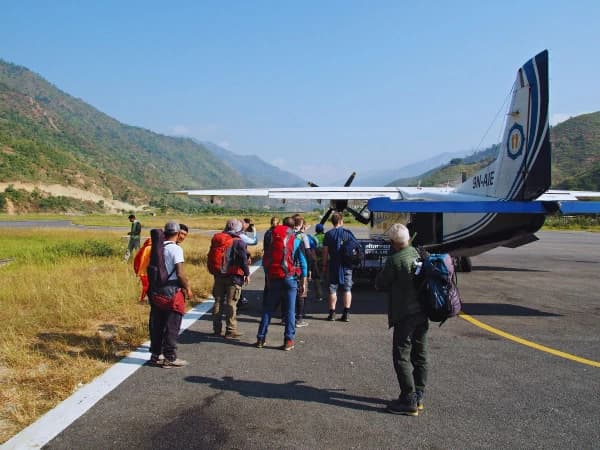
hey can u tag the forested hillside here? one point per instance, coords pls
(47, 136)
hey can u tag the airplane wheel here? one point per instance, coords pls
(465, 264)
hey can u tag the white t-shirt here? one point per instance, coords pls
(173, 256)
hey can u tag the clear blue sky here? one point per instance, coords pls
(320, 88)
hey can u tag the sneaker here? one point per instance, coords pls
(302, 323)
(260, 343)
(289, 344)
(420, 405)
(157, 360)
(331, 317)
(344, 318)
(406, 406)
(168, 364)
(233, 335)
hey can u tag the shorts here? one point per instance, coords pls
(346, 286)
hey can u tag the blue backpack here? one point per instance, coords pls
(436, 286)
(351, 252)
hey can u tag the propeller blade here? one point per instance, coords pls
(326, 216)
(350, 179)
(358, 216)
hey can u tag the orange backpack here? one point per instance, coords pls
(220, 256)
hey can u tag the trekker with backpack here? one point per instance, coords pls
(410, 323)
(168, 284)
(282, 281)
(228, 263)
(337, 268)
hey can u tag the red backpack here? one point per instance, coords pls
(220, 256)
(279, 259)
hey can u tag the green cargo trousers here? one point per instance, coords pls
(410, 353)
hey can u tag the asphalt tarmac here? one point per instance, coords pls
(330, 392)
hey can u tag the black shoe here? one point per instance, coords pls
(331, 317)
(406, 406)
(420, 405)
(345, 318)
(260, 343)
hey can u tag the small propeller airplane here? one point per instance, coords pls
(503, 204)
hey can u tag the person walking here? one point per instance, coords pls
(282, 282)
(406, 316)
(134, 236)
(227, 287)
(165, 323)
(335, 271)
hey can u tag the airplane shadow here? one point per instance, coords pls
(504, 269)
(293, 390)
(503, 309)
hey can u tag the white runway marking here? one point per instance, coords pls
(65, 413)
(68, 411)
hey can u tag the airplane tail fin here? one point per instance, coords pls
(522, 169)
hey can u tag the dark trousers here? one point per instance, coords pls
(164, 329)
(410, 353)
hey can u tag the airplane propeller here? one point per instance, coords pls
(341, 205)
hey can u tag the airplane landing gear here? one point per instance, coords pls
(463, 264)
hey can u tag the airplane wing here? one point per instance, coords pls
(320, 193)
(422, 199)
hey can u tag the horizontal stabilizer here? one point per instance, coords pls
(572, 208)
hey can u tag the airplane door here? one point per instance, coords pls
(428, 227)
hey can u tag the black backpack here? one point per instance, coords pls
(157, 270)
(351, 252)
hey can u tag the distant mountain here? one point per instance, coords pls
(384, 177)
(255, 169)
(48, 137)
(575, 158)
(451, 172)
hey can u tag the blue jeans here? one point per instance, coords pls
(280, 290)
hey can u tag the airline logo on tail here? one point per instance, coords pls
(516, 139)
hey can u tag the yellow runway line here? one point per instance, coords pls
(521, 341)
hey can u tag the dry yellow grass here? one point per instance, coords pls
(67, 315)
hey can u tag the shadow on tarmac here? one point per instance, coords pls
(504, 269)
(501, 309)
(293, 390)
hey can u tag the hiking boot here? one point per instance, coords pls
(260, 343)
(301, 323)
(233, 335)
(168, 364)
(288, 345)
(331, 316)
(404, 405)
(157, 360)
(420, 405)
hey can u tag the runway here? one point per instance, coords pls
(484, 390)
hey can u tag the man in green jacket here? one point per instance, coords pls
(410, 323)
